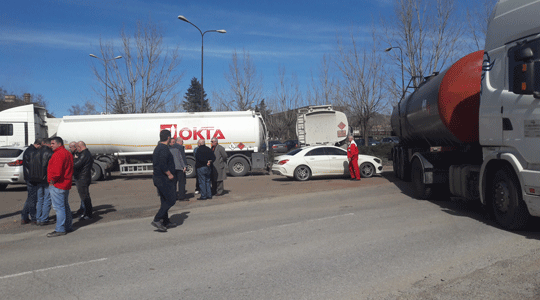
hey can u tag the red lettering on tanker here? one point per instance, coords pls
(185, 133)
(219, 135)
(195, 134)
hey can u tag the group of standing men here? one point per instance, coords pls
(169, 173)
(48, 170)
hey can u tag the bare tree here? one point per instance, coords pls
(287, 98)
(145, 79)
(87, 109)
(362, 86)
(245, 84)
(477, 19)
(323, 89)
(427, 33)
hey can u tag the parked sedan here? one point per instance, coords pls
(11, 168)
(371, 142)
(391, 139)
(307, 162)
(277, 147)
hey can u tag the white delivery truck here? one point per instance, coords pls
(474, 129)
(321, 125)
(128, 140)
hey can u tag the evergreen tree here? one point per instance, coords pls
(193, 98)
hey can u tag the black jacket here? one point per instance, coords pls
(33, 166)
(203, 155)
(162, 161)
(82, 167)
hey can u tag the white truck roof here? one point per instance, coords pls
(512, 20)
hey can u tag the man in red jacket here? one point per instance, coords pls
(59, 174)
(352, 156)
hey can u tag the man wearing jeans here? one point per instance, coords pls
(59, 175)
(203, 162)
(30, 165)
(43, 207)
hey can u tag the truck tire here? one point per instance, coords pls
(507, 203)
(190, 170)
(3, 186)
(238, 166)
(422, 191)
(96, 172)
(302, 173)
(367, 170)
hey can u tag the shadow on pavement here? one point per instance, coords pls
(461, 207)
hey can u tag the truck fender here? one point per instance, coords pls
(426, 166)
(494, 158)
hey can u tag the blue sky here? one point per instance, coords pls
(45, 44)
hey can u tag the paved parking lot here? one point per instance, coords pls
(134, 196)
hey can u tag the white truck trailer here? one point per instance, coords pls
(321, 125)
(474, 129)
(128, 140)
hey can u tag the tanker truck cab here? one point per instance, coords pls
(509, 116)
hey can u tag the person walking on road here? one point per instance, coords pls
(219, 170)
(31, 167)
(352, 156)
(43, 207)
(180, 163)
(163, 177)
(203, 163)
(82, 169)
(59, 176)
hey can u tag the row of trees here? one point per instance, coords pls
(426, 36)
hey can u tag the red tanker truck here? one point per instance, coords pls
(473, 130)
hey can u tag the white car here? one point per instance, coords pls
(307, 162)
(11, 167)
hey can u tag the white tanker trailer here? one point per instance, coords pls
(130, 139)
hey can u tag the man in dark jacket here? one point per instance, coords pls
(43, 207)
(203, 163)
(31, 168)
(163, 177)
(82, 170)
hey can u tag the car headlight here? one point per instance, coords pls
(377, 160)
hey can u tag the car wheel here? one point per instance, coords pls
(3, 186)
(367, 170)
(302, 173)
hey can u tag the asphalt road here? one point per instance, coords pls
(271, 238)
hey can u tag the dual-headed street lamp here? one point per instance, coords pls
(105, 61)
(202, 53)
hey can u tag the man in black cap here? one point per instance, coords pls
(163, 163)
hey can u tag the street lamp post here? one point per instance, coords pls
(202, 53)
(105, 61)
(402, 77)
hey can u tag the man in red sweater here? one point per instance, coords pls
(59, 174)
(352, 156)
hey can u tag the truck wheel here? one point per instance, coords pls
(302, 173)
(506, 201)
(367, 170)
(96, 172)
(238, 166)
(190, 169)
(421, 190)
(3, 186)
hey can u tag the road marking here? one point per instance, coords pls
(296, 223)
(53, 268)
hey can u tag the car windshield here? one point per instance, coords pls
(294, 152)
(10, 153)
